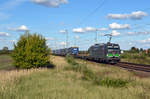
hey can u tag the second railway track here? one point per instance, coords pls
(133, 66)
(128, 66)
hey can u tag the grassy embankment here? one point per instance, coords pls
(139, 58)
(6, 62)
(63, 82)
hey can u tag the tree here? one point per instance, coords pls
(5, 50)
(148, 50)
(134, 50)
(31, 51)
(141, 50)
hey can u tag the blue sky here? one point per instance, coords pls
(127, 20)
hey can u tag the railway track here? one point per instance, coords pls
(126, 65)
(133, 66)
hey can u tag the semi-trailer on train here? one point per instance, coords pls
(102, 52)
(66, 51)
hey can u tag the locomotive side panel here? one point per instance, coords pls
(97, 51)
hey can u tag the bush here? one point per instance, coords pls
(133, 56)
(73, 64)
(109, 82)
(71, 60)
(31, 51)
(89, 75)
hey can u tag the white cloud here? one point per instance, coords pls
(119, 26)
(115, 33)
(145, 41)
(62, 43)
(49, 38)
(130, 43)
(90, 29)
(50, 3)
(77, 37)
(117, 16)
(47, 44)
(5, 40)
(139, 33)
(78, 30)
(103, 29)
(101, 34)
(134, 15)
(21, 28)
(13, 41)
(138, 15)
(83, 30)
(3, 34)
(131, 33)
(63, 31)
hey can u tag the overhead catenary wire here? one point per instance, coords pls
(101, 4)
(93, 12)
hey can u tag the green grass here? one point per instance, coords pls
(139, 58)
(51, 85)
(67, 84)
(6, 62)
(90, 75)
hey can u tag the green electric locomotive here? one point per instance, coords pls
(108, 53)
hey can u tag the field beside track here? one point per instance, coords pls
(59, 83)
(6, 62)
(138, 58)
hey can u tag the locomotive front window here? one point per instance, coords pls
(117, 47)
(110, 47)
(113, 49)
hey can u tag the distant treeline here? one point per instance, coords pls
(5, 50)
(138, 50)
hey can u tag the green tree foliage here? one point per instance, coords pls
(134, 50)
(148, 52)
(4, 50)
(31, 51)
(141, 50)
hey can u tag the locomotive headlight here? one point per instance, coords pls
(109, 55)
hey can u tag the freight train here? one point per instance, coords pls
(66, 51)
(102, 52)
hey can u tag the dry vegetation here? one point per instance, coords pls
(58, 83)
(6, 62)
(139, 58)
